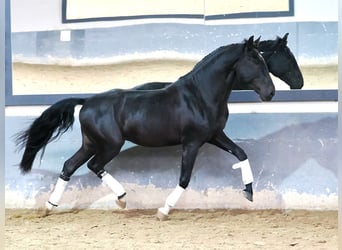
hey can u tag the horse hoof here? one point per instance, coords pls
(161, 216)
(121, 203)
(43, 212)
(248, 195)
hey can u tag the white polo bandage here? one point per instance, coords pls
(57, 193)
(172, 199)
(246, 172)
(113, 184)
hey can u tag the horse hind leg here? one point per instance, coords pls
(97, 164)
(69, 168)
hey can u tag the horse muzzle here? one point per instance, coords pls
(297, 85)
(266, 97)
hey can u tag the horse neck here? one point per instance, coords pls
(211, 79)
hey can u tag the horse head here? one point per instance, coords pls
(281, 62)
(251, 72)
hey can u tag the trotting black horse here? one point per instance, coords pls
(279, 59)
(191, 111)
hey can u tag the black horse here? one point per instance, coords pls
(279, 59)
(191, 111)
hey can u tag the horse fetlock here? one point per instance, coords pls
(120, 201)
(43, 212)
(49, 205)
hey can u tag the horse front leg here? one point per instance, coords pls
(223, 142)
(188, 159)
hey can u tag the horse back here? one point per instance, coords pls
(148, 118)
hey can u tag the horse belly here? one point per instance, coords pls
(152, 134)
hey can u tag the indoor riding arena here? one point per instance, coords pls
(61, 49)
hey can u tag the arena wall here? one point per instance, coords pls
(313, 34)
(292, 147)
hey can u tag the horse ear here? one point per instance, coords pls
(250, 43)
(283, 41)
(257, 42)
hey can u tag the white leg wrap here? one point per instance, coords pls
(247, 175)
(171, 200)
(114, 185)
(57, 193)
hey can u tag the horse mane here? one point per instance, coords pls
(268, 45)
(208, 58)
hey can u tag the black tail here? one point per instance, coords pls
(52, 123)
